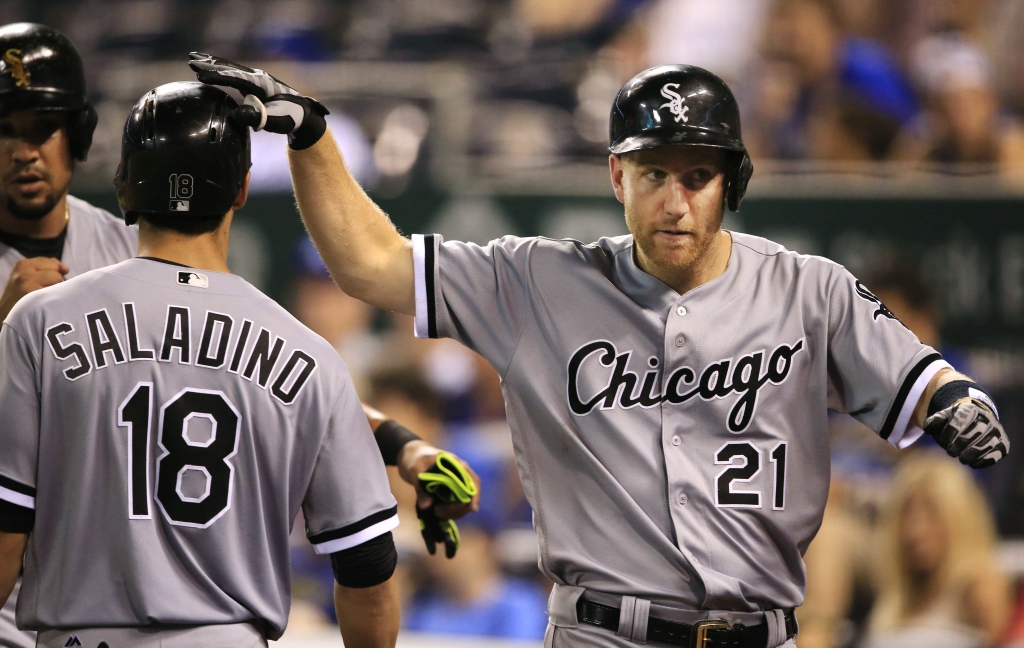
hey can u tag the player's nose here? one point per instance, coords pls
(677, 200)
(24, 152)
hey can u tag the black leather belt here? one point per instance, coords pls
(703, 634)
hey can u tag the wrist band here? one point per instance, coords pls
(391, 438)
(953, 391)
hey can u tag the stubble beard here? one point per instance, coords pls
(30, 211)
(33, 210)
(675, 259)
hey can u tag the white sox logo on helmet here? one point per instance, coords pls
(675, 103)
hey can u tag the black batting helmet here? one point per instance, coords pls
(183, 153)
(681, 104)
(41, 70)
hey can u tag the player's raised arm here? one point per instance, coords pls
(366, 255)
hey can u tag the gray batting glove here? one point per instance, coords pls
(273, 105)
(970, 431)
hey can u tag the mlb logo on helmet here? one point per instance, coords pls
(193, 279)
(179, 205)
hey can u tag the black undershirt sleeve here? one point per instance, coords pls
(16, 519)
(367, 564)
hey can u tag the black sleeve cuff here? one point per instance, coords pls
(367, 564)
(16, 519)
(391, 438)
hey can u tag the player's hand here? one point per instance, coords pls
(265, 103)
(446, 488)
(418, 457)
(970, 431)
(436, 531)
(27, 276)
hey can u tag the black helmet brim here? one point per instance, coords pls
(690, 136)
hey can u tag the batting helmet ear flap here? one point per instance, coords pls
(739, 177)
(81, 126)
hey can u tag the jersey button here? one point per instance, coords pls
(676, 440)
(683, 499)
(680, 311)
(680, 340)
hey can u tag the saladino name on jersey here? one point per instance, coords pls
(220, 332)
(716, 380)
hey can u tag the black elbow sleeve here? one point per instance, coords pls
(16, 519)
(367, 564)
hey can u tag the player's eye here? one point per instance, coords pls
(697, 178)
(45, 129)
(655, 175)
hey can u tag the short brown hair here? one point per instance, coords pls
(189, 225)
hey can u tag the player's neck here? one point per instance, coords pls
(204, 251)
(709, 266)
(48, 226)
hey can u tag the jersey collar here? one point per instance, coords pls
(651, 294)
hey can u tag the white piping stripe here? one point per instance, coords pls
(20, 499)
(358, 538)
(903, 433)
(419, 260)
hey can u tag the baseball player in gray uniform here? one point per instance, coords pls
(667, 391)
(164, 422)
(46, 235)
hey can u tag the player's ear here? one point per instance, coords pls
(616, 170)
(243, 193)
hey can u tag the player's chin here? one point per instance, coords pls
(35, 208)
(675, 258)
(674, 247)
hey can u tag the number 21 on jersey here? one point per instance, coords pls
(744, 460)
(194, 474)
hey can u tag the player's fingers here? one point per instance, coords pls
(456, 510)
(990, 447)
(423, 498)
(241, 81)
(41, 279)
(38, 263)
(63, 269)
(936, 423)
(962, 430)
(281, 124)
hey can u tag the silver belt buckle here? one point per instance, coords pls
(699, 631)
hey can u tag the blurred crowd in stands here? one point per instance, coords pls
(935, 84)
(907, 555)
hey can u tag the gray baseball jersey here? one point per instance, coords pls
(674, 447)
(95, 238)
(166, 424)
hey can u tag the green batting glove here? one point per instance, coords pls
(436, 530)
(447, 481)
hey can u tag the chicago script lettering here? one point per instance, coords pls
(745, 376)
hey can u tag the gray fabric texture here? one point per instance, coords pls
(638, 414)
(95, 238)
(238, 635)
(168, 459)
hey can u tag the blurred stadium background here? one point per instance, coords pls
(886, 135)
